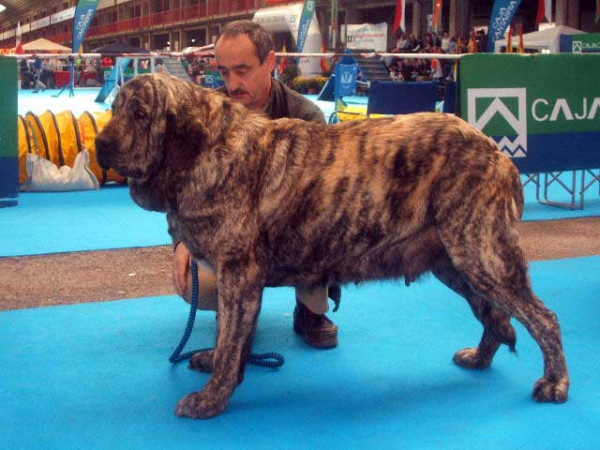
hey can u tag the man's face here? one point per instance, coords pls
(246, 79)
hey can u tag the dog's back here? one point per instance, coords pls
(361, 200)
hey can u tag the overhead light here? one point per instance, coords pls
(2, 8)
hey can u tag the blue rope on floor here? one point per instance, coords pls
(270, 360)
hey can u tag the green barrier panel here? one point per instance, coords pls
(9, 147)
(543, 110)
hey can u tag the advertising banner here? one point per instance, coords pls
(502, 16)
(84, 14)
(542, 110)
(63, 15)
(371, 36)
(307, 15)
(9, 143)
(581, 43)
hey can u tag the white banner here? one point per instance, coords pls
(40, 23)
(372, 36)
(61, 16)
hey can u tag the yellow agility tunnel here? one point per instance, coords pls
(60, 137)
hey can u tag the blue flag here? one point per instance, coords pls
(502, 16)
(84, 14)
(308, 11)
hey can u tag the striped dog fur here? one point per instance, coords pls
(293, 203)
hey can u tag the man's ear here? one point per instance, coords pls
(270, 61)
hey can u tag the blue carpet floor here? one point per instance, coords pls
(96, 376)
(77, 221)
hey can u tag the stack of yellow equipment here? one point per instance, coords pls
(59, 137)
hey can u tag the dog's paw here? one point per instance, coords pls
(203, 361)
(470, 358)
(546, 390)
(200, 405)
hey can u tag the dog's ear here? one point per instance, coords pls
(186, 133)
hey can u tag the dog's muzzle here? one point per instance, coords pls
(104, 147)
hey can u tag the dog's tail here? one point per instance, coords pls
(519, 197)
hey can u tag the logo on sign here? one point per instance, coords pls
(347, 77)
(506, 110)
(577, 47)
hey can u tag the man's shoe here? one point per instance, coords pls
(317, 330)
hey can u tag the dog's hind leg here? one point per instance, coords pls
(497, 329)
(487, 253)
(240, 287)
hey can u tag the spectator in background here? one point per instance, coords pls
(482, 41)
(48, 73)
(107, 62)
(452, 46)
(26, 74)
(160, 67)
(401, 44)
(445, 42)
(416, 45)
(37, 74)
(436, 70)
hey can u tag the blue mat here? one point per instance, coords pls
(39, 102)
(96, 376)
(78, 221)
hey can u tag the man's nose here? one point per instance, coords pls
(234, 82)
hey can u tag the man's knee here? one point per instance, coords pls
(207, 289)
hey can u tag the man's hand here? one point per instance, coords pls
(182, 262)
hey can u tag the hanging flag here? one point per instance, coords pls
(308, 11)
(509, 47)
(399, 20)
(437, 15)
(502, 16)
(19, 45)
(83, 18)
(521, 40)
(544, 11)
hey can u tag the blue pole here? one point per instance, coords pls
(72, 79)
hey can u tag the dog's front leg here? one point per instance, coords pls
(240, 286)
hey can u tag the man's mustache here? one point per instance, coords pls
(237, 92)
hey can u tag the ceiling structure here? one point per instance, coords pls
(15, 9)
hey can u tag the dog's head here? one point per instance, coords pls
(157, 124)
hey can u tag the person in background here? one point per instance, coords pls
(445, 42)
(37, 74)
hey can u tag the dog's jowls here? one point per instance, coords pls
(287, 202)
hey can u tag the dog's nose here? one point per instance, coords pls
(103, 145)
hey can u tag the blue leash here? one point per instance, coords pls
(269, 360)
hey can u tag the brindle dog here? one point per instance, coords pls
(293, 203)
